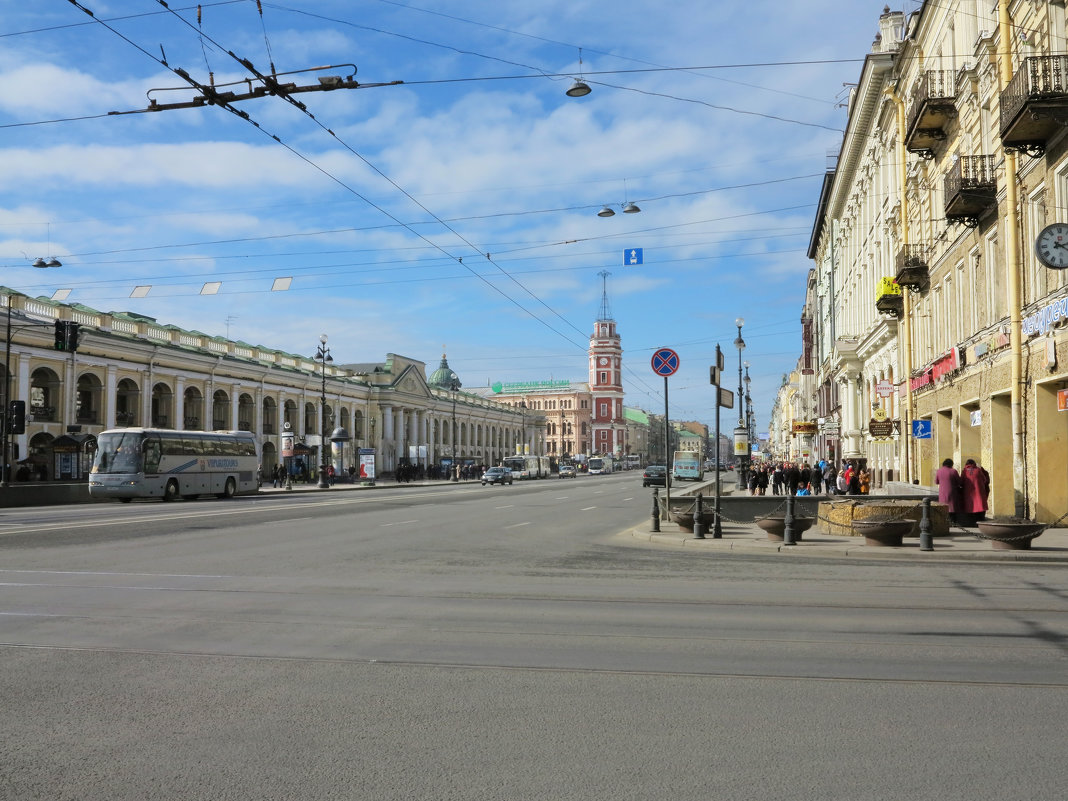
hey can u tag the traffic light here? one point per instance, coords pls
(17, 417)
(73, 331)
(61, 335)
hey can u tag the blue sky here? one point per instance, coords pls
(456, 209)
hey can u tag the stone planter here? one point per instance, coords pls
(1012, 534)
(883, 533)
(775, 525)
(685, 520)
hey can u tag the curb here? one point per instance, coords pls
(844, 548)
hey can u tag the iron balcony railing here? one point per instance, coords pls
(932, 87)
(970, 174)
(1039, 78)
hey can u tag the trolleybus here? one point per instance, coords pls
(156, 463)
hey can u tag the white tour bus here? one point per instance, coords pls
(524, 467)
(155, 463)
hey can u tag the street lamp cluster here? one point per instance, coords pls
(741, 433)
(5, 461)
(324, 357)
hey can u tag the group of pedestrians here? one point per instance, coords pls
(800, 478)
(966, 494)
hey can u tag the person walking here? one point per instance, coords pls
(830, 477)
(792, 478)
(776, 479)
(949, 489)
(816, 479)
(975, 492)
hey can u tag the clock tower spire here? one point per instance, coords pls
(606, 381)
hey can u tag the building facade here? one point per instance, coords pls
(936, 330)
(130, 370)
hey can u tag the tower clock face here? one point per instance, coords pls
(1051, 246)
(604, 361)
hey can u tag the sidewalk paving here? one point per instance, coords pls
(747, 538)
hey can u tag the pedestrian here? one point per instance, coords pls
(949, 490)
(830, 477)
(864, 480)
(776, 479)
(975, 492)
(754, 481)
(816, 479)
(792, 478)
(762, 481)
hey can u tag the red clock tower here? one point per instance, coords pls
(606, 383)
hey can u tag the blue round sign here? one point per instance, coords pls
(665, 362)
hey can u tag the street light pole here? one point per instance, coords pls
(749, 432)
(323, 355)
(5, 413)
(741, 434)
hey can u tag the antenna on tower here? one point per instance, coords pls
(606, 311)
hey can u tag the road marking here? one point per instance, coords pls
(509, 506)
(516, 525)
(398, 523)
(588, 508)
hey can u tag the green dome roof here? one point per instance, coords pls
(444, 377)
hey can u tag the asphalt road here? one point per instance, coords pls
(468, 642)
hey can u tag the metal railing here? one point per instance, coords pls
(1038, 77)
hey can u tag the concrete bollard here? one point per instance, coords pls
(926, 538)
(698, 520)
(788, 530)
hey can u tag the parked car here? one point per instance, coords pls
(497, 475)
(655, 475)
(567, 471)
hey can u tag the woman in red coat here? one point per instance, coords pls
(948, 481)
(975, 488)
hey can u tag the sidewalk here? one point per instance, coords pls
(747, 538)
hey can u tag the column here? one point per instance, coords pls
(110, 398)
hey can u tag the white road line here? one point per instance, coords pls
(509, 506)
(588, 508)
(516, 525)
(398, 523)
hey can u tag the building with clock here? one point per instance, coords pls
(935, 321)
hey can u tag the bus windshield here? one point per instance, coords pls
(119, 452)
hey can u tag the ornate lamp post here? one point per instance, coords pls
(323, 355)
(749, 415)
(5, 462)
(741, 433)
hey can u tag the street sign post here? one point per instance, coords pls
(665, 362)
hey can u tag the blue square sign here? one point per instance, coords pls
(632, 256)
(921, 429)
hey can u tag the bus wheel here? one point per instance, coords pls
(125, 500)
(170, 492)
(230, 489)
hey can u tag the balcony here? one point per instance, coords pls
(888, 298)
(43, 414)
(912, 268)
(1034, 106)
(933, 104)
(891, 304)
(970, 190)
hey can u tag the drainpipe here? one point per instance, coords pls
(905, 329)
(1012, 266)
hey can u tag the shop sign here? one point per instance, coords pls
(880, 427)
(884, 389)
(940, 368)
(804, 427)
(1062, 400)
(528, 386)
(1046, 317)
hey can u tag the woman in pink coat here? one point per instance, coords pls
(975, 488)
(948, 481)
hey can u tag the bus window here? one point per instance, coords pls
(152, 451)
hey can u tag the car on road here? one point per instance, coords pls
(497, 475)
(568, 471)
(655, 475)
